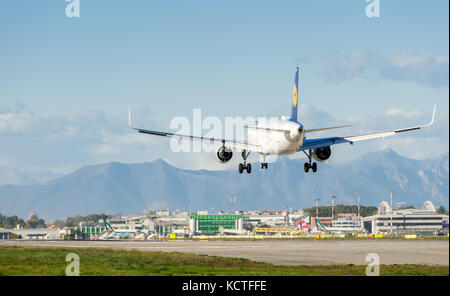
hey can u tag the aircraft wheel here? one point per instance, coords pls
(314, 167)
(306, 167)
(241, 168)
(249, 168)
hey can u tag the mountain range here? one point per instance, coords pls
(136, 188)
(13, 176)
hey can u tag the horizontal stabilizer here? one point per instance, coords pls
(325, 128)
(267, 128)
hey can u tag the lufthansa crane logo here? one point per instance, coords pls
(294, 100)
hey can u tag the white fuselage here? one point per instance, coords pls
(277, 136)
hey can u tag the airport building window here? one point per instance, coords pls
(210, 224)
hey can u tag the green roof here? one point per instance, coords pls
(216, 217)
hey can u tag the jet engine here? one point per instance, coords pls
(224, 154)
(321, 154)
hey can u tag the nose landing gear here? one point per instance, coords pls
(264, 164)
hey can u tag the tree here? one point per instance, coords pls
(10, 222)
(35, 222)
(325, 211)
(442, 211)
(59, 224)
(74, 221)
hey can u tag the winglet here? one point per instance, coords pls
(129, 117)
(432, 118)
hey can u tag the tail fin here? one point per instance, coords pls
(320, 225)
(295, 99)
(109, 227)
(305, 225)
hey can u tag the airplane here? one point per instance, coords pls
(281, 136)
(112, 229)
(295, 226)
(322, 227)
(304, 225)
(121, 232)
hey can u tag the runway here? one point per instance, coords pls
(281, 252)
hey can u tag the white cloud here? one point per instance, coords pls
(120, 144)
(15, 122)
(64, 142)
(427, 69)
(401, 112)
(424, 147)
(338, 67)
(104, 149)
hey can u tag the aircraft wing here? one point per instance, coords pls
(239, 145)
(323, 142)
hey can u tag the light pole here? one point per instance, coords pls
(391, 210)
(332, 209)
(317, 208)
(232, 200)
(359, 213)
(286, 216)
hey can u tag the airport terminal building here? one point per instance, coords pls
(211, 224)
(424, 220)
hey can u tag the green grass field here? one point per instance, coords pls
(105, 262)
(309, 238)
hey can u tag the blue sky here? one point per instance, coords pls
(66, 83)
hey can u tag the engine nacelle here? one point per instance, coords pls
(224, 154)
(321, 154)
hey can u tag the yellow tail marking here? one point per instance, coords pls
(294, 100)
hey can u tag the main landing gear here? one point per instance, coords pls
(264, 164)
(245, 166)
(310, 164)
